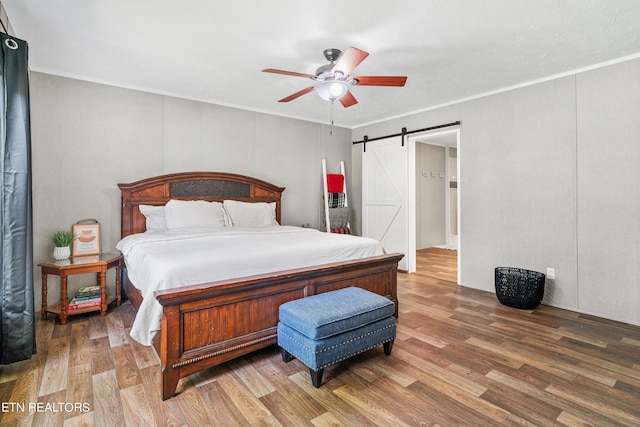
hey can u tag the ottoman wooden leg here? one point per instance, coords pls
(316, 377)
(286, 356)
(387, 347)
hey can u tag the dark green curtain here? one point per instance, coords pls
(17, 329)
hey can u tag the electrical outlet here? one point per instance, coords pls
(551, 273)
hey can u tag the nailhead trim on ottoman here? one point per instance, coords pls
(324, 329)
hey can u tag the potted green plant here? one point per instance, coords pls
(62, 241)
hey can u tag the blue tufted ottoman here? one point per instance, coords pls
(324, 329)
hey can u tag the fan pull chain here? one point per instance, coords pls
(331, 118)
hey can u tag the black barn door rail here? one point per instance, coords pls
(402, 134)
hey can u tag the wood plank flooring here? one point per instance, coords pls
(460, 358)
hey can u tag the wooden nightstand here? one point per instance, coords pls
(98, 264)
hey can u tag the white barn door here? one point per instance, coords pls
(384, 198)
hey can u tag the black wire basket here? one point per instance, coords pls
(519, 288)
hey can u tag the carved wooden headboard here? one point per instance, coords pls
(209, 186)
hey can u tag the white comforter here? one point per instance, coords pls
(181, 257)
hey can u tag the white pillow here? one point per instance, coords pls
(247, 214)
(156, 220)
(194, 213)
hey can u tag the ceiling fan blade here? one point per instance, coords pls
(348, 100)
(349, 60)
(381, 80)
(297, 94)
(287, 73)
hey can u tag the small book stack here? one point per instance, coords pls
(87, 296)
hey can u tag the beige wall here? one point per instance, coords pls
(5, 21)
(548, 178)
(88, 137)
(430, 196)
(608, 202)
(517, 186)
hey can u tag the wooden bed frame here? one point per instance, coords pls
(208, 324)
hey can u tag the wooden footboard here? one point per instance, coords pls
(208, 324)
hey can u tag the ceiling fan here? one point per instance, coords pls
(333, 82)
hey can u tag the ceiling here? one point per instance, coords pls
(214, 51)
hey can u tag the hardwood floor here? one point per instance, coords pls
(438, 263)
(460, 358)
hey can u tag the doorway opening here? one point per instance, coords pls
(433, 203)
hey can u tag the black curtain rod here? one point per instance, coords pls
(403, 133)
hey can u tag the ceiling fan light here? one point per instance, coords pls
(332, 90)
